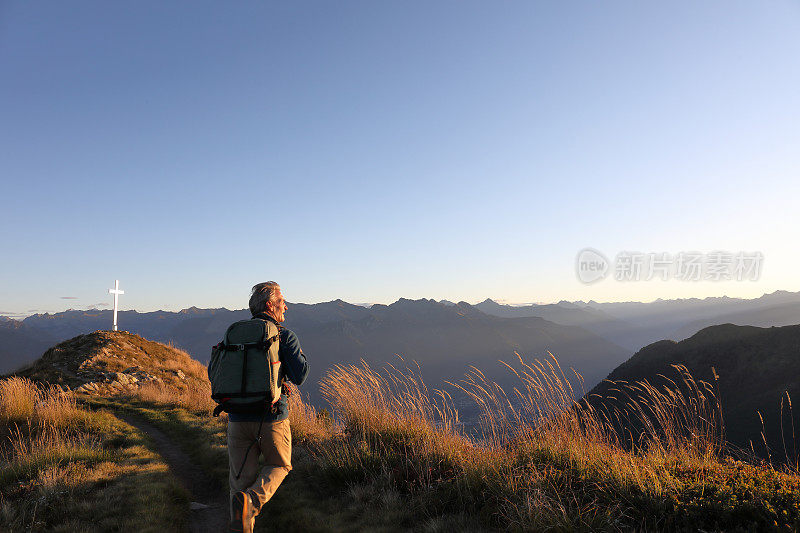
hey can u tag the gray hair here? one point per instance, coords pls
(261, 294)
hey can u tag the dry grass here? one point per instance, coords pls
(65, 468)
(194, 396)
(18, 398)
(47, 436)
(645, 457)
(307, 424)
(181, 360)
(51, 407)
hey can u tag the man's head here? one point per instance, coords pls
(267, 298)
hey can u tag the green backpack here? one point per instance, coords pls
(245, 371)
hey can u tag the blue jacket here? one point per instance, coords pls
(295, 368)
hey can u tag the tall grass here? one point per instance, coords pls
(541, 459)
(307, 424)
(44, 427)
(18, 399)
(49, 407)
(65, 468)
(195, 396)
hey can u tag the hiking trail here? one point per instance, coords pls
(209, 502)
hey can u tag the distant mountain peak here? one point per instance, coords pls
(406, 301)
(567, 304)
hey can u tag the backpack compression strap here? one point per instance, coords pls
(263, 345)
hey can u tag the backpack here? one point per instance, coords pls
(244, 370)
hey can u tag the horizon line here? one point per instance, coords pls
(367, 305)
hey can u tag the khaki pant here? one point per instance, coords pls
(275, 446)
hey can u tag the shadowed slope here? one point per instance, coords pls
(755, 367)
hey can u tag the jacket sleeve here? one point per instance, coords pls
(292, 358)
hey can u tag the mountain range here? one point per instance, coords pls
(444, 339)
(633, 325)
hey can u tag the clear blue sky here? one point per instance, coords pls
(373, 150)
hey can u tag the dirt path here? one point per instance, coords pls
(209, 512)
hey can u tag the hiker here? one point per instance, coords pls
(251, 488)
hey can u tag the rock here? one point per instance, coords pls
(126, 379)
(88, 387)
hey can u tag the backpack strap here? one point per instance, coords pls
(262, 345)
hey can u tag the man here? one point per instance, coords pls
(254, 487)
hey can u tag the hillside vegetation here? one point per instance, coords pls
(754, 370)
(64, 468)
(544, 462)
(387, 454)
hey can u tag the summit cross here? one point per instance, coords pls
(116, 292)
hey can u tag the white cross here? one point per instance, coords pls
(116, 292)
